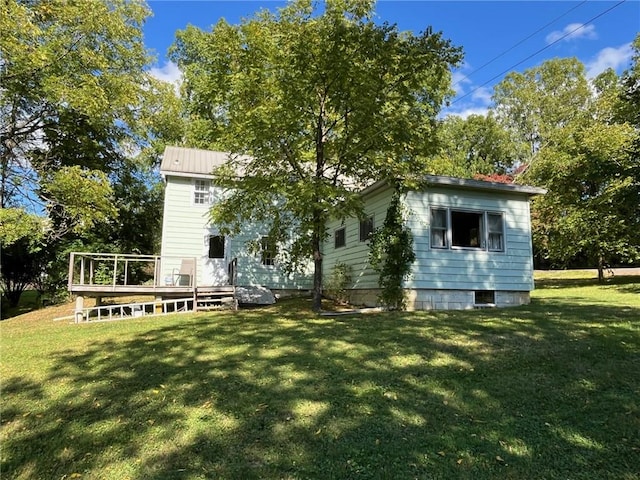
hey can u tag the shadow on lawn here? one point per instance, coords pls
(534, 392)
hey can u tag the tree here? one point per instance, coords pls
(584, 159)
(21, 237)
(472, 146)
(312, 106)
(76, 105)
(533, 104)
(71, 81)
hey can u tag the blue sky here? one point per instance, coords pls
(497, 37)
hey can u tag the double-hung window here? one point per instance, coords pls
(201, 192)
(495, 229)
(268, 252)
(439, 237)
(467, 229)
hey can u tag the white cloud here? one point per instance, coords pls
(482, 95)
(459, 79)
(169, 72)
(610, 57)
(466, 112)
(573, 31)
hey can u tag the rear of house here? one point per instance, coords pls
(472, 241)
(187, 231)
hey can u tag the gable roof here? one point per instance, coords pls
(194, 162)
(190, 162)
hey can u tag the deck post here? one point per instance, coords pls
(71, 260)
(79, 307)
(115, 269)
(81, 270)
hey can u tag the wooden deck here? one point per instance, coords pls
(115, 275)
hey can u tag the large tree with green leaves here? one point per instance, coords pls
(312, 105)
(476, 145)
(76, 104)
(582, 153)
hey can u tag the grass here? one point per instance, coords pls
(549, 390)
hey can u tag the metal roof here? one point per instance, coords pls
(189, 162)
(467, 184)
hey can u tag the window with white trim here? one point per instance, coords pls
(202, 192)
(466, 229)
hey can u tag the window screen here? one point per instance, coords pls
(496, 232)
(340, 238)
(201, 195)
(268, 251)
(366, 229)
(466, 229)
(216, 246)
(439, 228)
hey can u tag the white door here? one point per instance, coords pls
(215, 259)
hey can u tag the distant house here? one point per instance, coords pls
(472, 239)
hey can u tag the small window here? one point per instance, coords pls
(466, 229)
(439, 228)
(340, 238)
(485, 297)
(496, 232)
(268, 251)
(216, 246)
(366, 229)
(202, 195)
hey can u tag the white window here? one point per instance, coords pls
(467, 229)
(439, 228)
(202, 192)
(495, 228)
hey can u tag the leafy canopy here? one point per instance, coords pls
(312, 105)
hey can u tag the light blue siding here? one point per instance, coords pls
(185, 230)
(444, 269)
(459, 269)
(356, 253)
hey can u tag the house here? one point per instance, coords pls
(187, 231)
(472, 239)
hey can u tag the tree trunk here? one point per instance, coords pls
(317, 272)
(600, 269)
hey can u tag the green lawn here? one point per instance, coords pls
(550, 390)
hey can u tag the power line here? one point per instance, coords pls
(520, 42)
(539, 51)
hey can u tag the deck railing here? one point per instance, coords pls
(119, 269)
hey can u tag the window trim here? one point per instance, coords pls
(344, 237)
(484, 227)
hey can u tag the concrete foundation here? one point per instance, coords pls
(424, 299)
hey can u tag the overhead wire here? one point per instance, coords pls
(581, 26)
(500, 55)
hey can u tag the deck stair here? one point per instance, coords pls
(212, 298)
